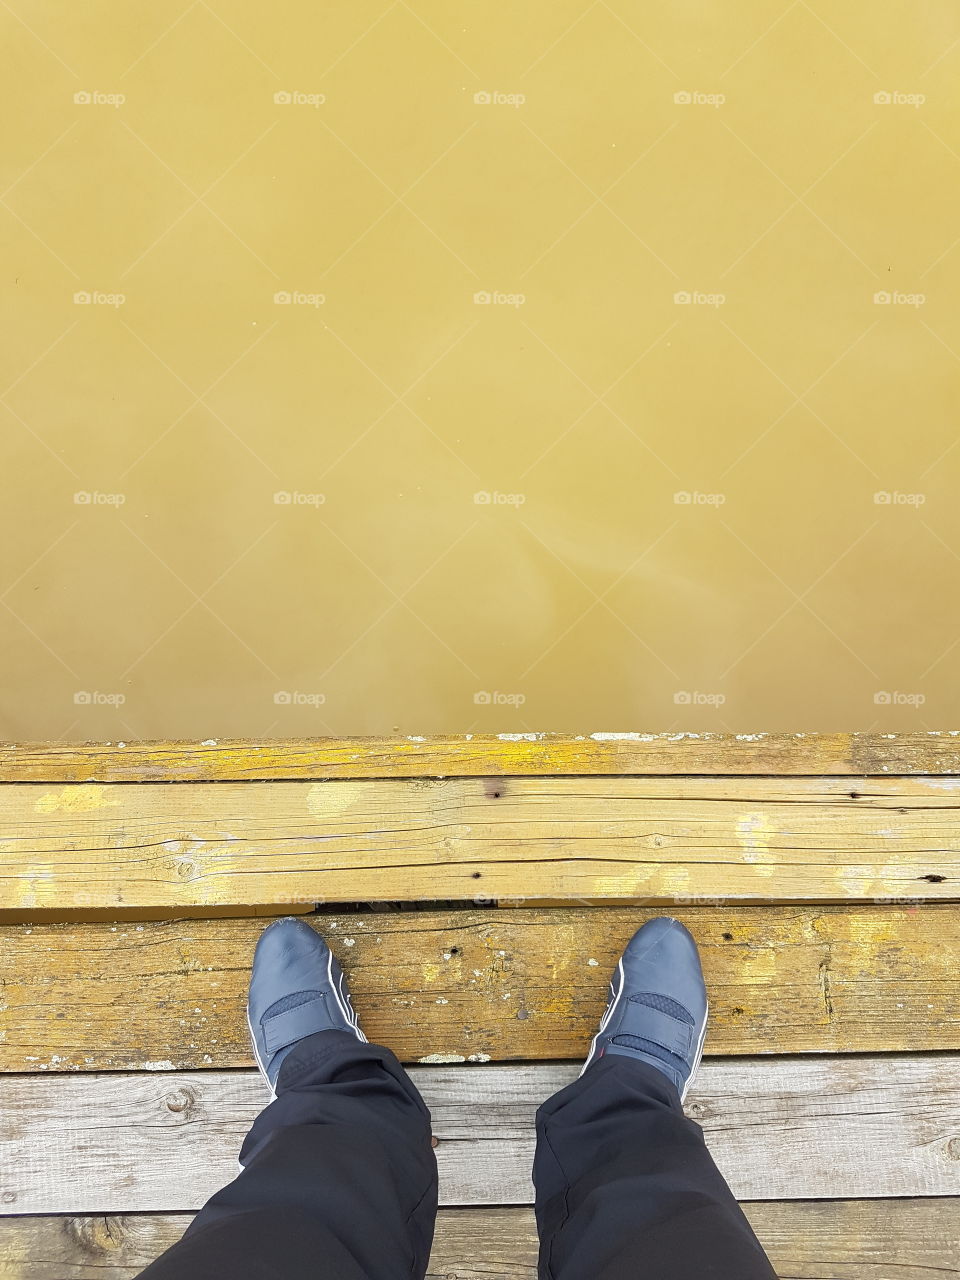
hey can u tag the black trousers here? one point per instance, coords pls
(340, 1182)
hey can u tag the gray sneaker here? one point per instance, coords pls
(296, 989)
(658, 1005)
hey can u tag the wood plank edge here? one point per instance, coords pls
(864, 1238)
(477, 755)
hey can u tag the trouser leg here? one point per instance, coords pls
(339, 1179)
(626, 1189)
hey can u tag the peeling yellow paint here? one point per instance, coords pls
(754, 831)
(856, 880)
(675, 879)
(759, 962)
(77, 798)
(870, 930)
(325, 801)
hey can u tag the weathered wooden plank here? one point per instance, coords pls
(473, 755)
(504, 985)
(860, 1239)
(848, 1128)
(641, 839)
(842, 1239)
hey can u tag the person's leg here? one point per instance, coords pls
(625, 1187)
(339, 1178)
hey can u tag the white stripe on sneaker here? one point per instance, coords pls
(348, 1003)
(696, 1061)
(343, 1000)
(256, 1054)
(608, 1014)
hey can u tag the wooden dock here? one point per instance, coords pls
(820, 875)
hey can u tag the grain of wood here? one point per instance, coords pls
(473, 755)
(841, 1239)
(641, 839)
(504, 985)
(846, 1128)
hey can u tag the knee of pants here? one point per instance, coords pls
(315, 1167)
(681, 1235)
(639, 1199)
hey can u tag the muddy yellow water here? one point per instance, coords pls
(444, 366)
